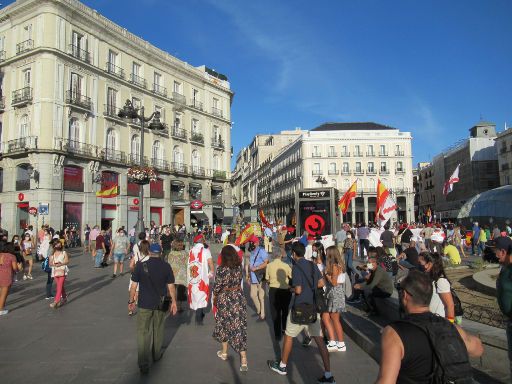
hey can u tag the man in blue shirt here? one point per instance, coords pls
(255, 272)
(475, 238)
(305, 278)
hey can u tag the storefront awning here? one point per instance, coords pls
(217, 188)
(195, 185)
(199, 215)
(177, 182)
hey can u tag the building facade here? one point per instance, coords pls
(504, 148)
(478, 172)
(65, 73)
(336, 155)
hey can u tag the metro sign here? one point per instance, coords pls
(196, 205)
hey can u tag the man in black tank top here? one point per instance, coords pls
(406, 353)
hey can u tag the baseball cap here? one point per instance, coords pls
(254, 239)
(155, 248)
(198, 238)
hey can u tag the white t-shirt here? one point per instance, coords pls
(309, 252)
(341, 278)
(436, 305)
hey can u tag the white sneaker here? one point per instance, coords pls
(30, 277)
(25, 277)
(332, 346)
(4, 312)
(342, 347)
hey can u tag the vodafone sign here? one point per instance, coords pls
(196, 205)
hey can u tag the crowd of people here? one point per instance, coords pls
(293, 273)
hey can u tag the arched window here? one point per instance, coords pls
(24, 127)
(135, 148)
(111, 139)
(177, 155)
(156, 151)
(74, 132)
(196, 159)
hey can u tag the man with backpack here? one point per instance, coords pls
(306, 278)
(425, 348)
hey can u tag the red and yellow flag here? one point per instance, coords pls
(245, 235)
(263, 219)
(382, 195)
(108, 192)
(347, 197)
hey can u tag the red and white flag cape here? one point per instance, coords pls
(454, 178)
(385, 206)
(197, 277)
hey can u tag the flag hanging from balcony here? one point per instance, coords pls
(454, 178)
(112, 191)
(347, 198)
(385, 205)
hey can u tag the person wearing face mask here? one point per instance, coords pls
(442, 302)
(377, 284)
(27, 247)
(349, 250)
(120, 249)
(59, 262)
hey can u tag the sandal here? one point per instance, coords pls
(222, 356)
(243, 366)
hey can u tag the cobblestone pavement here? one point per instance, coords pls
(92, 340)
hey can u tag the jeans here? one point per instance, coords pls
(99, 258)
(279, 303)
(349, 253)
(150, 333)
(363, 244)
(49, 283)
(370, 296)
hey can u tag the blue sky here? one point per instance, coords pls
(429, 67)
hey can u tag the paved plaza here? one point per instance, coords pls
(92, 340)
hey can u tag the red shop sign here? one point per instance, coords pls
(32, 211)
(196, 205)
(136, 201)
(21, 196)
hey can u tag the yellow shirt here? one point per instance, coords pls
(278, 274)
(453, 254)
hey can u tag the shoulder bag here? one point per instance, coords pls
(305, 313)
(457, 305)
(164, 301)
(260, 273)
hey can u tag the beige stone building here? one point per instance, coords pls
(336, 155)
(504, 148)
(66, 71)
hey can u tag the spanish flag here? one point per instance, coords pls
(382, 195)
(108, 192)
(245, 235)
(264, 219)
(347, 197)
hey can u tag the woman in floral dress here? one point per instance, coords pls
(178, 259)
(231, 317)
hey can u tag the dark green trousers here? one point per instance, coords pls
(150, 335)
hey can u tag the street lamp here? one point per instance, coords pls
(130, 112)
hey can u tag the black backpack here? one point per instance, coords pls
(450, 356)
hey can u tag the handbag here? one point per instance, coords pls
(305, 313)
(457, 305)
(164, 301)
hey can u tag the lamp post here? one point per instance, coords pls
(130, 112)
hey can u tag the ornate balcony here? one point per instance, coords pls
(197, 138)
(400, 171)
(345, 154)
(384, 172)
(178, 133)
(197, 171)
(159, 90)
(371, 172)
(21, 145)
(76, 148)
(76, 99)
(358, 172)
(24, 46)
(134, 159)
(114, 70)
(197, 104)
(332, 172)
(219, 174)
(216, 112)
(160, 164)
(80, 54)
(179, 168)
(113, 155)
(21, 97)
(383, 154)
(345, 172)
(317, 172)
(316, 154)
(179, 98)
(217, 143)
(110, 111)
(399, 153)
(137, 80)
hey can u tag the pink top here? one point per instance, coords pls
(6, 271)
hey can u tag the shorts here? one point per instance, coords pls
(93, 244)
(28, 257)
(293, 330)
(119, 257)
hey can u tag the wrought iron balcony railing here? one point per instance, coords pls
(22, 96)
(79, 53)
(134, 159)
(179, 98)
(217, 143)
(23, 144)
(197, 104)
(111, 111)
(216, 112)
(332, 172)
(78, 100)
(219, 174)
(114, 70)
(137, 80)
(198, 171)
(317, 172)
(159, 90)
(178, 167)
(197, 138)
(178, 133)
(113, 155)
(24, 46)
(160, 164)
(316, 154)
(331, 154)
